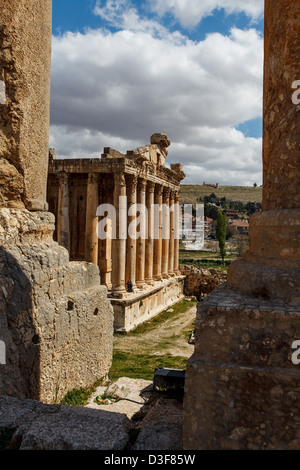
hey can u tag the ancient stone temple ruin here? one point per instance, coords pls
(242, 383)
(139, 268)
(56, 323)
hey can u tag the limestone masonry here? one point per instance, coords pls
(55, 318)
(241, 383)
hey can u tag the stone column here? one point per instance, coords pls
(242, 382)
(150, 241)
(141, 241)
(166, 233)
(177, 221)
(92, 202)
(131, 238)
(63, 221)
(157, 255)
(172, 232)
(119, 243)
(105, 244)
(25, 63)
(274, 251)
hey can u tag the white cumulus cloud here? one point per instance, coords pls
(191, 12)
(115, 89)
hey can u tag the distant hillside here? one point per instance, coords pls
(190, 193)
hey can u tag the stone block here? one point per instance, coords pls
(241, 385)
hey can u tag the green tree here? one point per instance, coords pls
(221, 233)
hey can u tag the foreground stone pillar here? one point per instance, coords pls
(141, 241)
(243, 380)
(119, 243)
(55, 319)
(149, 241)
(92, 202)
(157, 257)
(274, 252)
(63, 220)
(131, 238)
(25, 62)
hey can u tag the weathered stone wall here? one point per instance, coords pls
(55, 318)
(281, 176)
(199, 281)
(25, 54)
(242, 387)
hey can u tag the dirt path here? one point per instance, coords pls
(169, 337)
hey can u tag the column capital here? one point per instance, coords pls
(93, 178)
(119, 179)
(142, 184)
(172, 194)
(166, 194)
(151, 187)
(132, 182)
(158, 189)
(62, 177)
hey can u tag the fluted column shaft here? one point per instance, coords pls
(150, 241)
(105, 244)
(157, 255)
(119, 243)
(166, 233)
(131, 236)
(141, 241)
(92, 202)
(171, 242)
(176, 233)
(63, 223)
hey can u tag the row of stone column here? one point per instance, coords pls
(142, 260)
(154, 257)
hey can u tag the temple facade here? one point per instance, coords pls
(121, 212)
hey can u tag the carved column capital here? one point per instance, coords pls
(132, 182)
(142, 184)
(119, 179)
(166, 194)
(158, 190)
(62, 177)
(93, 178)
(150, 187)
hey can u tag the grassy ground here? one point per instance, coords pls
(206, 259)
(190, 193)
(161, 342)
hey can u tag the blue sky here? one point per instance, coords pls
(122, 70)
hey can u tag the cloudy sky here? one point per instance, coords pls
(123, 70)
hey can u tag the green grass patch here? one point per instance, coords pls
(80, 396)
(190, 194)
(140, 366)
(218, 265)
(178, 308)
